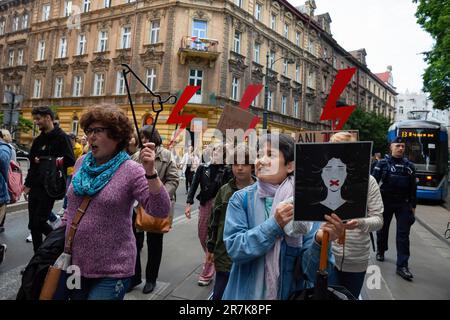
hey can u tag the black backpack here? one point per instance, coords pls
(34, 275)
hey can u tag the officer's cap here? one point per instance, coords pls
(398, 140)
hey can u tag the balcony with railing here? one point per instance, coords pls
(198, 49)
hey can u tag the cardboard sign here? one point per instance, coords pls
(234, 118)
(331, 178)
(320, 136)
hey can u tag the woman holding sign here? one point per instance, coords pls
(352, 254)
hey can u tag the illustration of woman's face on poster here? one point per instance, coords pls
(334, 174)
(331, 178)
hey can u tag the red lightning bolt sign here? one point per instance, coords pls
(249, 95)
(175, 118)
(330, 111)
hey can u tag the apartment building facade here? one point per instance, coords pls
(413, 105)
(73, 53)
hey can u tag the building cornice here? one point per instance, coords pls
(6, 4)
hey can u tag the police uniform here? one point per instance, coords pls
(398, 189)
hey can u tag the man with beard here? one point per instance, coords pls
(52, 143)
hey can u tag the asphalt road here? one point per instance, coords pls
(182, 258)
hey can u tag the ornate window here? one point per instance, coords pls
(75, 125)
(235, 89)
(37, 88)
(102, 41)
(59, 87)
(77, 86)
(99, 84)
(154, 31)
(151, 78)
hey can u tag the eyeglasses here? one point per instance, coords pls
(95, 130)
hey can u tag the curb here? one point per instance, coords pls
(434, 232)
(22, 205)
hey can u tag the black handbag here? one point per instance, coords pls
(54, 178)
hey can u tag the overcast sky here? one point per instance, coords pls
(387, 29)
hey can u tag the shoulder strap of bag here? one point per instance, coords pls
(75, 222)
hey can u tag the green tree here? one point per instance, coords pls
(372, 127)
(434, 17)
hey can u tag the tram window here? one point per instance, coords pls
(421, 153)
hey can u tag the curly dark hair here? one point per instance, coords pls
(119, 126)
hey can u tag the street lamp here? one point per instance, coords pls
(266, 87)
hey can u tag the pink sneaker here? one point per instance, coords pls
(207, 274)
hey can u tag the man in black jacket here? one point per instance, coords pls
(51, 144)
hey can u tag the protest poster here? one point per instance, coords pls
(320, 136)
(331, 177)
(234, 118)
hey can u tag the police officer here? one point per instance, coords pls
(398, 189)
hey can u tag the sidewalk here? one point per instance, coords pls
(435, 219)
(182, 258)
(22, 204)
(180, 266)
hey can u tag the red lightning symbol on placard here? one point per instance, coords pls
(175, 118)
(330, 111)
(249, 95)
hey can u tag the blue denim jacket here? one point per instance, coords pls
(5, 158)
(247, 242)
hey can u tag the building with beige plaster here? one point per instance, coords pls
(72, 51)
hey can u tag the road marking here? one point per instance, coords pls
(422, 231)
(137, 293)
(160, 287)
(183, 219)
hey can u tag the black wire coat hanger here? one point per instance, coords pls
(156, 109)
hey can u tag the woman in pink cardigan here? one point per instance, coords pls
(104, 246)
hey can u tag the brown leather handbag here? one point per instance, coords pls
(54, 283)
(149, 223)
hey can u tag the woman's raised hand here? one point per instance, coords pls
(147, 157)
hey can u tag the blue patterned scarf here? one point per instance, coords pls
(91, 178)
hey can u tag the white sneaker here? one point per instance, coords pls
(55, 224)
(61, 212)
(29, 238)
